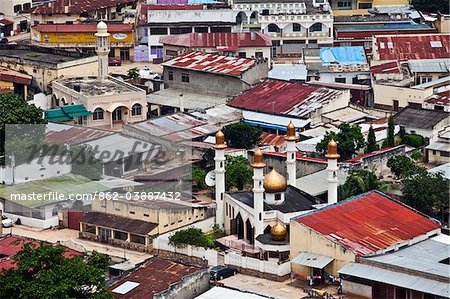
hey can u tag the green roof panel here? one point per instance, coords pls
(76, 110)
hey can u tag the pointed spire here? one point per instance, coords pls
(290, 134)
(258, 159)
(220, 141)
(332, 150)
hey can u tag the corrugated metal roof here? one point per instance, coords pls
(288, 72)
(405, 47)
(217, 39)
(76, 6)
(73, 134)
(271, 139)
(317, 182)
(406, 281)
(429, 65)
(312, 260)
(77, 28)
(275, 121)
(439, 146)
(419, 118)
(278, 97)
(368, 223)
(221, 114)
(127, 225)
(211, 63)
(444, 169)
(439, 98)
(342, 56)
(443, 80)
(170, 97)
(392, 67)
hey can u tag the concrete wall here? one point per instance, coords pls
(189, 287)
(356, 289)
(348, 76)
(33, 222)
(436, 157)
(304, 239)
(384, 95)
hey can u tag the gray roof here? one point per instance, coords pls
(317, 182)
(425, 256)
(406, 281)
(288, 72)
(433, 83)
(444, 169)
(439, 146)
(192, 100)
(312, 260)
(419, 118)
(429, 65)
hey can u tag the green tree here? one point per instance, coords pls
(43, 272)
(98, 260)
(359, 181)
(402, 166)
(391, 132)
(241, 135)
(198, 177)
(427, 192)
(133, 73)
(416, 155)
(349, 139)
(192, 236)
(238, 172)
(371, 141)
(14, 110)
(431, 6)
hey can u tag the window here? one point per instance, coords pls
(132, 212)
(344, 5)
(146, 215)
(242, 55)
(259, 54)
(316, 27)
(278, 196)
(124, 54)
(136, 109)
(296, 27)
(98, 114)
(339, 80)
(158, 31)
(445, 154)
(365, 5)
(120, 235)
(17, 8)
(170, 75)
(426, 79)
(180, 30)
(26, 6)
(201, 29)
(185, 78)
(273, 28)
(220, 29)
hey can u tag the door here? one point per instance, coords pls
(396, 105)
(117, 114)
(233, 226)
(105, 234)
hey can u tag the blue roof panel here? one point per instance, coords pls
(342, 56)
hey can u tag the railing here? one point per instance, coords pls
(319, 33)
(294, 34)
(274, 34)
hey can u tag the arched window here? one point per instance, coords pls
(136, 109)
(316, 27)
(98, 114)
(273, 28)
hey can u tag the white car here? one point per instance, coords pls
(6, 222)
(148, 74)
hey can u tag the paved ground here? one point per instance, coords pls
(264, 286)
(69, 237)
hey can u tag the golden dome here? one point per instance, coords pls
(274, 182)
(332, 150)
(278, 232)
(258, 159)
(290, 134)
(220, 141)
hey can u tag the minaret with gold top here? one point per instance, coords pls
(258, 191)
(219, 170)
(291, 158)
(332, 168)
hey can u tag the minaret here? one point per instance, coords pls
(102, 48)
(219, 170)
(332, 168)
(258, 192)
(291, 158)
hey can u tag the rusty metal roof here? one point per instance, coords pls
(77, 28)
(392, 67)
(368, 223)
(218, 40)
(212, 63)
(133, 226)
(405, 47)
(155, 277)
(73, 135)
(76, 6)
(271, 139)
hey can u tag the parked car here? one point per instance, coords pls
(6, 222)
(113, 61)
(221, 272)
(148, 74)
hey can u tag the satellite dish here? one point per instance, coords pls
(210, 179)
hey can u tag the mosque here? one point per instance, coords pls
(256, 221)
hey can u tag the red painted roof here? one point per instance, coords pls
(280, 97)
(368, 223)
(368, 34)
(222, 41)
(439, 98)
(271, 139)
(9, 75)
(7, 248)
(7, 264)
(113, 27)
(386, 68)
(6, 22)
(211, 63)
(154, 277)
(405, 47)
(76, 6)
(300, 156)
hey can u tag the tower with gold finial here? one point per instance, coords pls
(219, 170)
(258, 191)
(291, 158)
(102, 48)
(332, 169)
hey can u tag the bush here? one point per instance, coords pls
(198, 177)
(192, 236)
(414, 140)
(416, 155)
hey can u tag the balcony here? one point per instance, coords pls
(319, 34)
(274, 34)
(253, 24)
(294, 34)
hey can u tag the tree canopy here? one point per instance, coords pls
(371, 141)
(349, 139)
(238, 172)
(192, 236)
(43, 272)
(402, 166)
(390, 141)
(241, 135)
(360, 181)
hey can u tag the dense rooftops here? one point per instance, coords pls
(218, 40)
(420, 118)
(76, 6)
(113, 27)
(211, 63)
(369, 223)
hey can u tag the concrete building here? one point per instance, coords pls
(14, 81)
(111, 101)
(78, 11)
(46, 65)
(81, 37)
(16, 16)
(292, 25)
(237, 44)
(443, 23)
(362, 7)
(438, 152)
(416, 271)
(157, 21)
(325, 240)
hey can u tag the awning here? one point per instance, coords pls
(56, 115)
(312, 260)
(76, 110)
